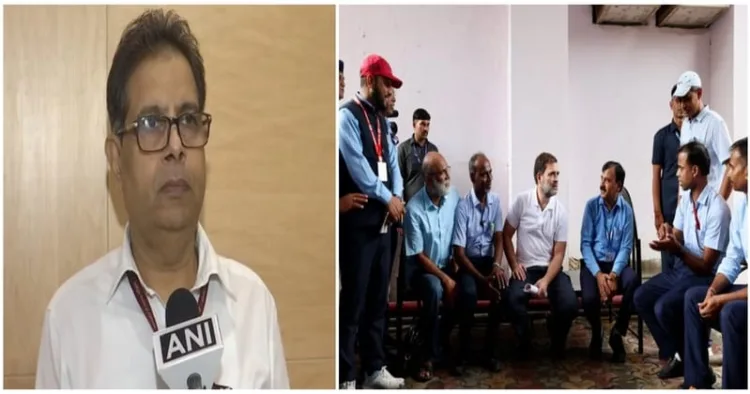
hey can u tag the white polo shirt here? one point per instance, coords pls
(537, 229)
(710, 129)
(96, 336)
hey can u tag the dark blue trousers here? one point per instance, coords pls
(364, 256)
(732, 323)
(627, 284)
(468, 294)
(563, 303)
(436, 329)
(660, 302)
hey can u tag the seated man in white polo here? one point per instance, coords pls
(542, 225)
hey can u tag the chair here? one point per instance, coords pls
(637, 264)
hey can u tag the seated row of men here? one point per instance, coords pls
(455, 247)
(441, 228)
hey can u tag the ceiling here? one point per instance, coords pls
(676, 16)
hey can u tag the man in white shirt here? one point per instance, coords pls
(705, 126)
(97, 335)
(542, 225)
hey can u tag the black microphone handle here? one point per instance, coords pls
(194, 382)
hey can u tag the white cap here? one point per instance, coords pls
(687, 81)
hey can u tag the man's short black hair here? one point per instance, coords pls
(540, 164)
(697, 155)
(740, 146)
(153, 31)
(619, 171)
(420, 114)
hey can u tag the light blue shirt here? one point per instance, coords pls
(428, 228)
(731, 265)
(475, 226)
(710, 129)
(711, 230)
(350, 146)
(607, 236)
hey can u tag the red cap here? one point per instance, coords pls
(376, 66)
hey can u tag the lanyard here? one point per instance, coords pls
(695, 215)
(378, 144)
(420, 151)
(140, 295)
(609, 232)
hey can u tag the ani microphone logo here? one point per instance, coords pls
(187, 340)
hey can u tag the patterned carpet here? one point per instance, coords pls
(575, 372)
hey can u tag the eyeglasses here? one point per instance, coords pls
(153, 132)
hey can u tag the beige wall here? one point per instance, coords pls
(270, 197)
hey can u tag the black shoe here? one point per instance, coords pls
(673, 369)
(618, 348)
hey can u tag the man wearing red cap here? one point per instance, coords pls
(367, 165)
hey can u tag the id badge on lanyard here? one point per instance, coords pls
(377, 141)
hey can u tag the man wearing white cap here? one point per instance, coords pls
(705, 126)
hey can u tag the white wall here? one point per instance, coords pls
(740, 14)
(620, 80)
(539, 94)
(453, 61)
(721, 58)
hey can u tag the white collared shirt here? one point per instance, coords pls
(537, 229)
(710, 129)
(96, 336)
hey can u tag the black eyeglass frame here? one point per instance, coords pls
(132, 127)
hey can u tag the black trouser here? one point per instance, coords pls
(562, 298)
(660, 302)
(364, 261)
(627, 283)
(731, 321)
(468, 294)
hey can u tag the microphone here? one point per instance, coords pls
(188, 352)
(529, 288)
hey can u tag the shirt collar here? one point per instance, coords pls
(414, 142)
(535, 200)
(618, 202)
(703, 197)
(363, 100)
(208, 265)
(701, 115)
(428, 204)
(673, 127)
(475, 200)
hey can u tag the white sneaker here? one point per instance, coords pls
(351, 385)
(383, 380)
